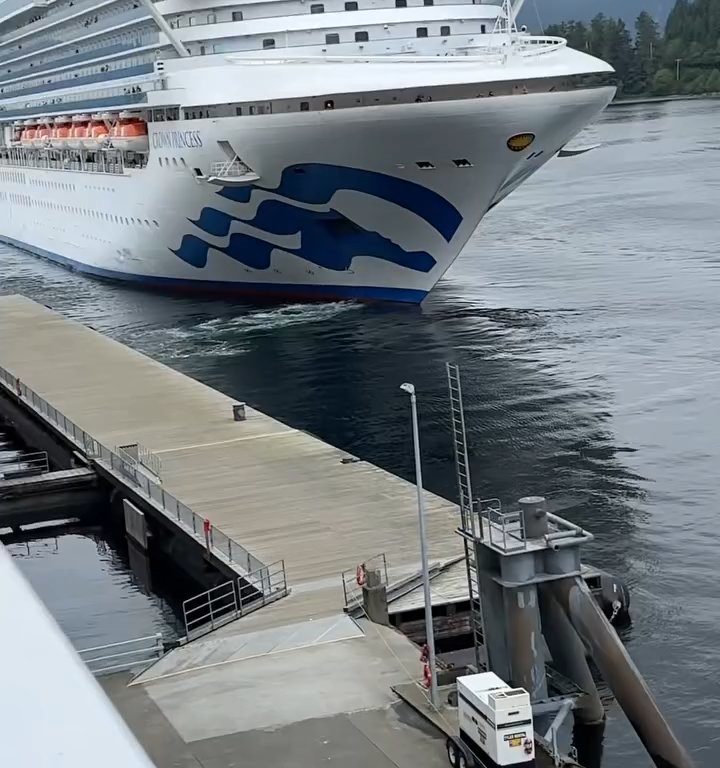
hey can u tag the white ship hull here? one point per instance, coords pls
(341, 210)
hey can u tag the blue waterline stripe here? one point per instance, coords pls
(217, 287)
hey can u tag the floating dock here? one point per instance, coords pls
(278, 492)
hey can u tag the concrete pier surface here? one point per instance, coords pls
(279, 492)
(296, 696)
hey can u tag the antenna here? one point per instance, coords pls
(505, 22)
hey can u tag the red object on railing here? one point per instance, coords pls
(206, 530)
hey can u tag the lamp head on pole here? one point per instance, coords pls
(409, 388)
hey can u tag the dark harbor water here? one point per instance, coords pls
(585, 315)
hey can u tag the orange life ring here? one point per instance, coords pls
(360, 576)
(427, 677)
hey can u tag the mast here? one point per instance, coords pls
(516, 8)
(505, 23)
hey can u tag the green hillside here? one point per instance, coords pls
(684, 58)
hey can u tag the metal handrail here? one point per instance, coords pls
(151, 651)
(230, 550)
(210, 609)
(352, 591)
(138, 454)
(261, 587)
(228, 168)
(506, 530)
(28, 463)
(529, 43)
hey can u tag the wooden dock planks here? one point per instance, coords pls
(281, 493)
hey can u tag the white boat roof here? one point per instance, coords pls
(268, 78)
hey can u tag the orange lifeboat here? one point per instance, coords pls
(28, 135)
(78, 131)
(43, 135)
(97, 133)
(131, 133)
(61, 132)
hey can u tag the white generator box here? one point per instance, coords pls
(496, 720)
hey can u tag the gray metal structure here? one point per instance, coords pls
(524, 571)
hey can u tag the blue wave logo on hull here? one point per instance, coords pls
(328, 239)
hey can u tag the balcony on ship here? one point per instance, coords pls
(228, 173)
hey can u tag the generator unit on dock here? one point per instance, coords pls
(495, 723)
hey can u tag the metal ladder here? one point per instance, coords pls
(469, 530)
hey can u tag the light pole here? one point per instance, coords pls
(429, 633)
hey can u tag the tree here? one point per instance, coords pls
(699, 85)
(648, 48)
(683, 60)
(663, 83)
(713, 82)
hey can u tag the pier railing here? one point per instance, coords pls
(127, 655)
(213, 539)
(26, 464)
(229, 601)
(353, 580)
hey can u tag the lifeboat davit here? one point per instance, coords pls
(43, 134)
(98, 133)
(130, 133)
(78, 131)
(61, 132)
(28, 135)
(17, 131)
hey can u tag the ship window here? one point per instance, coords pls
(444, 31)
(463, 163)
(424, 165)
(401, 3)
(202, 50)
(317, 8)
(238, 110)
(332, 39)
(361, 37)
(211, 18)
(269, 42)
(421, 32)
(304, 106)
(483, 29)
(237, 16)
(351, 6)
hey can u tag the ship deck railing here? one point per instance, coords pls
(521, 45)
(85, 161)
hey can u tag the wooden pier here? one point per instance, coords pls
(279, 492)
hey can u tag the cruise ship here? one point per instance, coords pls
(313, 149)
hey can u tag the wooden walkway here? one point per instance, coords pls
(279, 492)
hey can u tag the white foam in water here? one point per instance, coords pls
(227, 336)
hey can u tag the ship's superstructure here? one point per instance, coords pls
(343, 148)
